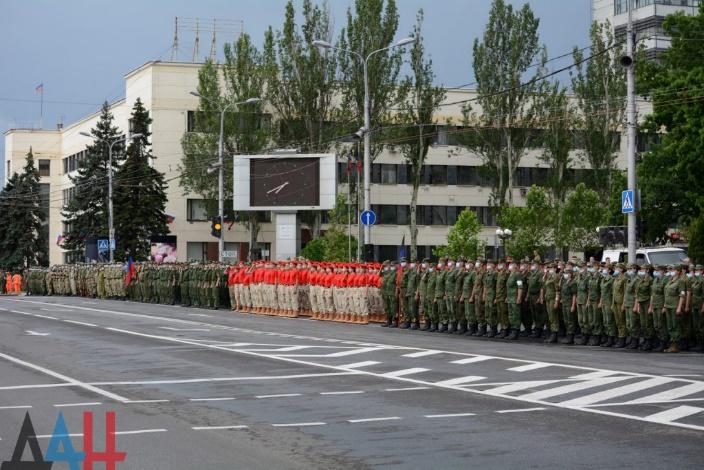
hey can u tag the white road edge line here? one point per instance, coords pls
(15, 407)
(405, 389)
(90, 403)
(139, 431)
(297, 425)
(130, 402)
(214, 428)
(351, 392)
(369, 420)
(450, 415)
(280, 395)
(56, 375)
(75, 322)
(522, 410)
(213, 399)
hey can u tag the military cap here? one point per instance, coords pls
(387, 262)
(426, 260)
(403, 259)
(394, 263)
(646, 266)
(698, 267)
(671, 266)
(632, 266)
(442, 258)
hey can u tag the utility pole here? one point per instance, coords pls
(629, 62)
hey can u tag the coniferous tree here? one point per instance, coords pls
(86, 215)
(139, 194)
(22, 245)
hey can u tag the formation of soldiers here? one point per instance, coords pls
(657, 308)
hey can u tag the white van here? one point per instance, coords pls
(654, 256)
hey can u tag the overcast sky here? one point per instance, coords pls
(80, 49)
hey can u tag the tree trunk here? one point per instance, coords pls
(253, 226)
(509, 161)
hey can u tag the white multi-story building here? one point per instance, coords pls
(451, 182)
(648, 16)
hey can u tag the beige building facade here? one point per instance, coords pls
(452, 180)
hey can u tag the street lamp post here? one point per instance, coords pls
(221, 165)
(111, 229)
(367, 118)
(503, 234)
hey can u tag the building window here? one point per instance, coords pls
(402, 174)
(388, 174)
(388, 215)
(44, 167)
(403, 214)
(196, 251)
(466, 176)
(438, 174)
(196, 210)
(376, 173)
(451, 174)
(439, 215)
(452, 213)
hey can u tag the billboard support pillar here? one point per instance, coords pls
(288, 239)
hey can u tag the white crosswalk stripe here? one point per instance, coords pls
(430, 352)
(617, 392)
(669, 395)
(571, 388)
(517, 386)
(461, 380)
(674, 414)
(404, 372)
(527, 367)
(471, 360)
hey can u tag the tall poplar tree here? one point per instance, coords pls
(502, 57)
(86, 215)
(421, 101)
(139, 197)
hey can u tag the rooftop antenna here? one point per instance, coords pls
(213, 42)
(195, 44)
(174, 47)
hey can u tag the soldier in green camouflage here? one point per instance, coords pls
(459, 318)
(643, 296)
(655, 309)
(619, 294)
(440, 296)
(489, 299)
(594, 313)
(629, 305)
(450, 284)
(467, 298)
(502, 275)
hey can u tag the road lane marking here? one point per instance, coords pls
(171, 328)
(214, 428)
(298, 425)
(370, 420)
(22, 387)
(36, 333)
(357, 365)
(351, 392)
(405, 389)
(461, 380)
(571, 388)
(517, 386)
(139, 431)
(222, 379)
(45, 316)
(80, 323)
(450, 415)
(617, 392)
(472, 360)
(430, 352)
(403, 372)
(373, 374)
(56, 375)
(280, 395)
(49, 436)
(90, 403)
(522, 410)
(132, 402)
(199, 315)
(527, 367)
(673, 414)
(213, 399)
(593, 375)
(672, 394)
(349, 352)
(15, 407)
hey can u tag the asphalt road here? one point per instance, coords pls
(195, 388)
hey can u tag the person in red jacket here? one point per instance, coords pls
(231, 272)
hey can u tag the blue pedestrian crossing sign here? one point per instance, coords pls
(627, 205)
(367, 218)
(103, 244)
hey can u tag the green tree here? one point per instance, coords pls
(314, 250)
(421, 101)
(501, 59)
(463, 237)
(533, 225)
(695, 237)
(671, 174)
(86, 215)
(583, 212)
(600, 91)
(22, 244)
(301, 85)
(139, 196)
(247, 129)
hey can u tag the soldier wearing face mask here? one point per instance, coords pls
(429, 306)
(594, 316)
(643, 294)
(468, 301)
(629, 306)
(537, 310)
(410, 301)
(585, 329)
(606, 299)
(489, 297)
(619, 293)
(697, 309)
(568, 299)
(551, 282)
(450, 284)
(502, 274)
(422, 291)
(657, 302)
(440, 296)
(459, 310)
(478, 297)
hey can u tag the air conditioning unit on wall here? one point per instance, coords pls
(524, 192)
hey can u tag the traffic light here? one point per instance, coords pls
(216, 227)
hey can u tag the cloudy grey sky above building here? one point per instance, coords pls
(80, 49)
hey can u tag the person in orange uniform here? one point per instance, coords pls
(232, 272)
(8, 283)
(246, 281)
(17, 282)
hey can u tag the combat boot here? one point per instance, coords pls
(452, 327)
(433, 327)
(405, 325)
(633, 344)
(594, 340)
(567, 339)
(581, 340)
(443, 328)
(673, 348)
(526, 332)
(537, 333)
(481, 331)
(552, 338)
(427, 325)
(647, 345)
(491, 332)
(621, 343)
(699, 347)
(503, 333)
(386, 324)
(608, 343)
(415, 326)
(471, 329)
(462, 329)
(513, 335)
